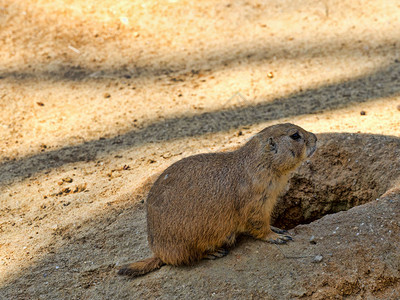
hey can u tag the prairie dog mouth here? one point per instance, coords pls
(310, 151)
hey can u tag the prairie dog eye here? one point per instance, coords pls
(295, 136)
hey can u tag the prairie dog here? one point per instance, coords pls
(203, 202)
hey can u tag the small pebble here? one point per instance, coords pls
(270, 75)
(166, 155)
(124, 20)
(67, 179)
(317, 259)
(312, 240)
(106, 95)
(363, 113)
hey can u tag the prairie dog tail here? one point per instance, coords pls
(141, 267)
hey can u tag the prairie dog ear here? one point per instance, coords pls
(272, 145)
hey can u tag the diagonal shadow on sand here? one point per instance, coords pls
(382, 83)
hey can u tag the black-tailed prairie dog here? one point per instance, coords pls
(201, 203)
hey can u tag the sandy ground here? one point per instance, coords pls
(97, 98)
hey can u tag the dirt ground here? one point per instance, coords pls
(97, 97)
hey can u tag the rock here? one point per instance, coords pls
(317, 258)
(67, 179)
(343, 172)
(312, 240)
(167, 155)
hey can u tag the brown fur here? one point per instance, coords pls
(203, 202)
(142, 267)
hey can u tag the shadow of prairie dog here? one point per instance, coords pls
(203, 202)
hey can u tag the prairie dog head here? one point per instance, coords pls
(286, 145)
